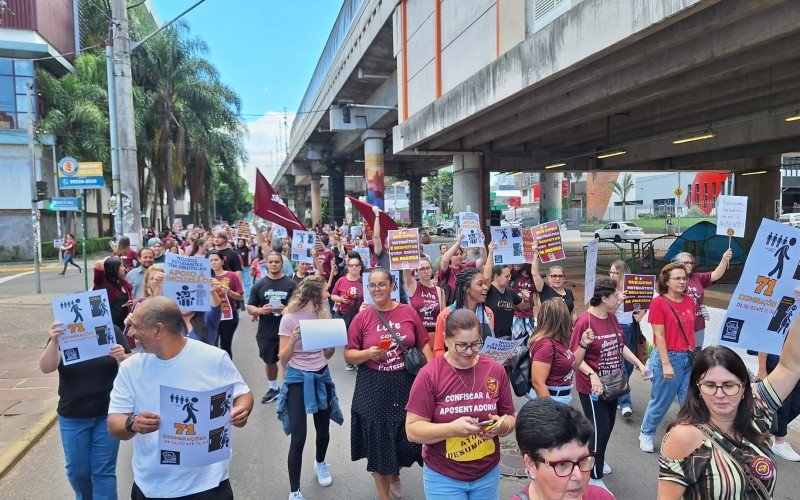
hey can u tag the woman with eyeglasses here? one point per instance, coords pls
(348, 292)
(695, 288)
(554, 288)
(459, 407)
(377, 421)
(425, 296)
(719, 445)
(672, 316)
(554, 441)
(470, 293)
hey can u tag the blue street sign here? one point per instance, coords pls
(64, 204)
(80, 182)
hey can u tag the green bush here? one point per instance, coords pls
(93, 245)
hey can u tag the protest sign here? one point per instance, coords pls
(590, 277)
(58, 243)
(355, 232)
(279, 232)
(470, 226)
(225, 303)
(187, 280)
(365, 257)
(763, 305)
(345, 230)
(395, 291)
(639, 290)
(303, 243)
(177, 225)
(243, 229)
(528, 244)
(403, 245)
(548, 242)
(499, 350)
(731, 215)
(508, 246)
(195, 426)
(318, 334)
(89, 330)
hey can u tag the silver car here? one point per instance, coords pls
(619, 231)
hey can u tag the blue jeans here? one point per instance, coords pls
(68, 260)
(664, 391)
(91, 456)
(565, 399)
(440, 487)
(630, 341)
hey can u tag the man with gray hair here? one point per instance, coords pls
(169, 358)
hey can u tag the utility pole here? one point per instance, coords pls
(34, 207)
(114, 136)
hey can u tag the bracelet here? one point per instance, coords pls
(584, 346)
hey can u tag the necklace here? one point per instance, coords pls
(462, 380)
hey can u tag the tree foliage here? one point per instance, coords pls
(622, 188)
(438, 190)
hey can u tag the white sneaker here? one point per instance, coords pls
(785, 451)
(606, 469)
(323, 474)
(600, 483)
(296, 495)
(627, 412)
(646, 443)
(349, 367)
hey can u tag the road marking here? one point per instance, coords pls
(9, 278)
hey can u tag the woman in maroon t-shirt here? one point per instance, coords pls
(522, 281)
(460, 405)
(552, 362)
(123, 250)
(424, 296)
(348, 292)
(377, 416)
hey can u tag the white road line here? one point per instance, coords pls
(15, 276)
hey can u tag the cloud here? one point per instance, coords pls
(266, 143)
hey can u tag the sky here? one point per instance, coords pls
(266, 50)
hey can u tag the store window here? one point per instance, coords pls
(15, 75)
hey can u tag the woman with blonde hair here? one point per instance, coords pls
(309, 302)
(552, 361)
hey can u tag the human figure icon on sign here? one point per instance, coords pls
(76, 309)
(184, 296)
(190, 409)
(782, 254)
(200, 294)
(787, 320)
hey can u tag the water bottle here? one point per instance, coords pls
(593, 396)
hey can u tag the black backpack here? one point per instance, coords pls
(520, 375)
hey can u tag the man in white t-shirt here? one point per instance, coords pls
(170, 359)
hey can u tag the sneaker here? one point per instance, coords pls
(646, 443)
(296, 495)
(606, 469)
(61, 274)
(600, 483)
(270, 396)
(396, 489)
(627, 412)
(349, 367)
(785, 451)
(323, 474)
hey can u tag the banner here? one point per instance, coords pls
(395, 291)
(319, 334)
(639, 291)
(508, 246)
(499, 350)
(195, 426)
(187, 280)
(763, 305)
(528, 243)
(89, 330)
(303, 243)
(268, 205)
(548, 242)
(365, 209)
(404, 250)
(731, 215)
(470, 226)
(591, 270)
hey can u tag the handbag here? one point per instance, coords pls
(520, 375)
(414, 359)
(641, 343)
(757, 486)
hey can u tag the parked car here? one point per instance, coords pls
(790, 219)
(619, 231)
(446, 228)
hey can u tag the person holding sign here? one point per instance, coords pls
(554, 288)
(719, 445)
(552, 362)
(232, 292)
(452, 264)
(470, 293)
(501, 299)
(459, 407)
(84, 391)
(306, 371)
(424, 296)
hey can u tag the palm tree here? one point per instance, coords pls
(622, 188)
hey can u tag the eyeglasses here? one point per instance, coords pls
(564, 468)
(728, 388)
(382, 284)
(462, 346)
(680, 278)
(557, 276)
(688, 263)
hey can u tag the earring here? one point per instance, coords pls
(528, 475)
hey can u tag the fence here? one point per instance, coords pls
(653, 219)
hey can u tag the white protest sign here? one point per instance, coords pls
(303, 243)
(195, 426)
(279, 232)
(345, 230)
(318, 334)
(58, 243)
(763, 305)
(89, 330)
(507, 245)
(365, 257)
(470, 226)
(731, 215)
(187, 280)
(355, 232)
(499, 350)
(368, 293)
(591, 270)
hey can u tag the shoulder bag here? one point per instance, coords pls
(757, 486)
(414, 359)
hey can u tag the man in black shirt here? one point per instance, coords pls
(267, 300)
(230, 259)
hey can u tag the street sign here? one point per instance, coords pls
(64, 204)
(514, 201)
(80, 175)
(678, 191)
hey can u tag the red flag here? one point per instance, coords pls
(365, 209)
(268, 205)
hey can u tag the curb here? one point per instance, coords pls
(24, 269)
(17, 450)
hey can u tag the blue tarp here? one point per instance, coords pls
(702, 242)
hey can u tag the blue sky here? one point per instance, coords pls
(266, 50)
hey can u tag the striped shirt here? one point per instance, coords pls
(708, 471)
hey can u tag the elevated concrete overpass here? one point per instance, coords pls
(579, 85)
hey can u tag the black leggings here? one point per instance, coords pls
(226, 330)
(298, 421)
(601, 414)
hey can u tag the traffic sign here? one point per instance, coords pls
(68, 204)
(80, 175)
(678, 191)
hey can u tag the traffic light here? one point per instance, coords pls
(495, 216)
(41, 191)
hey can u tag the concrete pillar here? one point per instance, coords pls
(467, 183)
(336, 191)
(762, 190)
(415, 200)
(550, 204)
(373, 165)
(316, 199)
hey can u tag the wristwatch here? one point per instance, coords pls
(129, 423)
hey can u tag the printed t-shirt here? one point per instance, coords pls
(367, 330)
(231, 280)
(137, 389)
(310, 361)
(353, 290)
(502, 305)
(660, 314)
(447, 279)
(426, 302)
(558, 356)
(443, 394)
(695, 288)
(261, 294)
(604, 355)
(523, 283)
(325, 262)
(548, 293)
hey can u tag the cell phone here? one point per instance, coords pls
(487, 423)
(385, 344)
(647, 374)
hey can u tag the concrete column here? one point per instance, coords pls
(550, 204)
(467, 183)
(762, 191)
(373, 165)
(415, 201)
(316, 199)
(336, 191)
